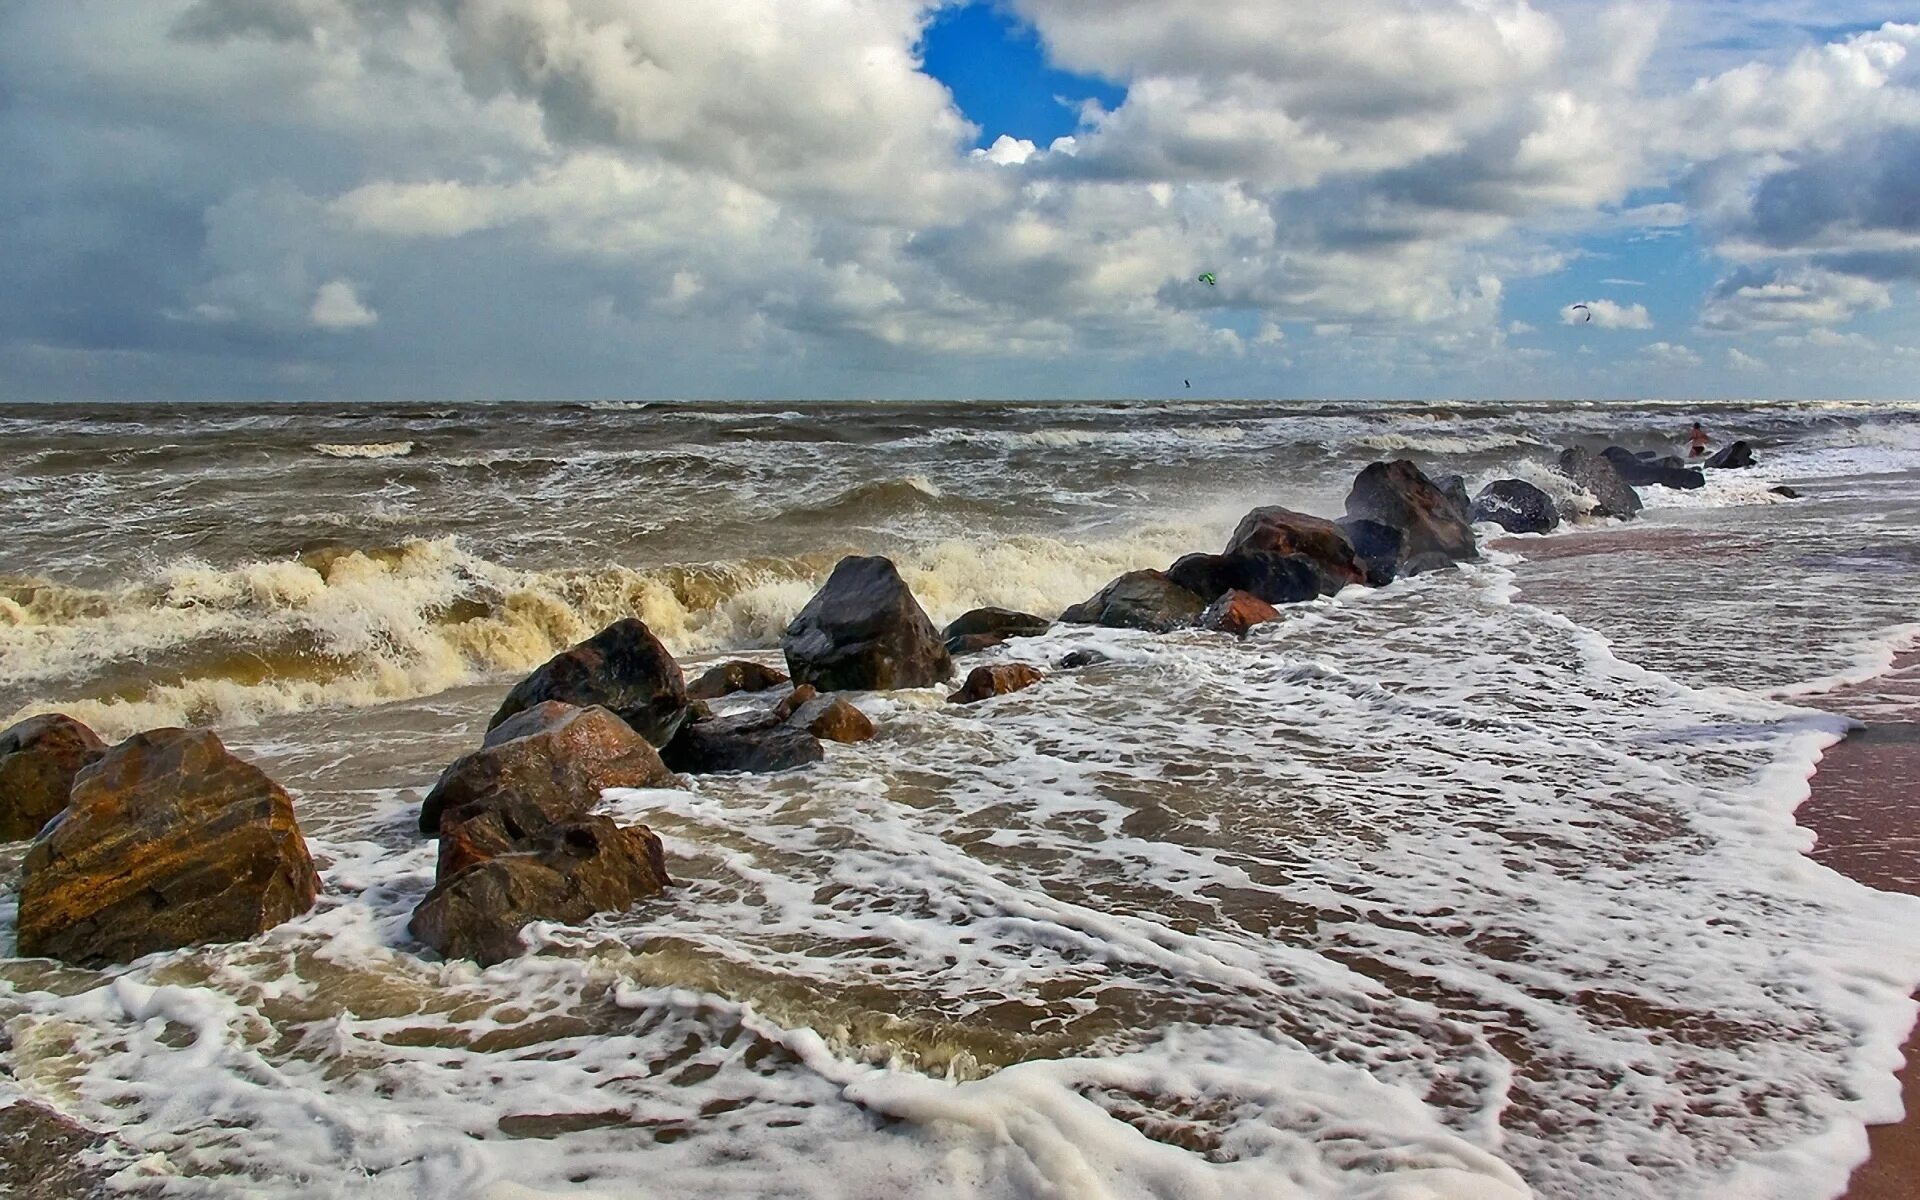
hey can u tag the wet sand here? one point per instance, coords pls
(1864, 813)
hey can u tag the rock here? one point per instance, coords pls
(836, 720)
(1283, 531)
(756, 742)
(1454, 488)
(565, 874)
(1663, 472)
(1733, 457)
(1138, 600)
(167, 841)
(794, 700)
(999, 679)
(1784, 490)
(482, 835)
(1426, 564)
(43, 1156)
(986, 627)
(1397, 494)
(1613, 496)
(38, 759)
(864, 631)
(543, 765)
(1237, 612)
(1076, 659)
(1377, 546)
(739, 675)
(1275, 578)
(1516, 506)
(623, 669)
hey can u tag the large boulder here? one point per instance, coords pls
(1275, 578)
(739, 675)
(566, 874)
(864, 631)
(167, 841)
(1377, 545)
(541, 766)
(1516, 506)
(1282, 531)
(1612, 495)
(1397, 494)
(753, 742)
(1666, 472)
(1138, 600)
(1237, 613)
(623, 669)
(999, 679)
(1454, 488)
(983, 628)
(1733, 457)
(38, 759)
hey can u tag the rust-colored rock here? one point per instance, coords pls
(567, 873)
(864, 631)
(836, 720)
(167, 841)
(739, 675)
(545, 764)
(995, 679)
(1237, 612)
(1397, 494)
(794, 701)
(623, 669)
(38, 759)
(1283, 531)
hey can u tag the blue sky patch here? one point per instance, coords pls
(999, 76)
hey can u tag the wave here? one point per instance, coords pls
(365, 449)
(353, 627)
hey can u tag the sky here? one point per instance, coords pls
(797, 199)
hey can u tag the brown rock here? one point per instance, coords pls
(38, 759)
(1283, 531)
(1238, 612)
(481, 836)
(1138, 600)
(864, 631)
(43, 1156)
(996, 679)
(1275, 578)
(1397, 494)
(754, 742)
(167, 841)
(838, 721)
(545, 764)
(566, 874)
(623, 669)
(737, 676)
(794, 701)
(983, 628)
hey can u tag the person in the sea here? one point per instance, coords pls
(1697, 439)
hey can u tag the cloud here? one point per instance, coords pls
(1739, 360)
(1785, 298)
(1670, 356)
(1606, 314)
(336, 308)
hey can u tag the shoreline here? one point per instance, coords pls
(1868, 829)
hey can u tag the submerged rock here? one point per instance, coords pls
(864, 631)
(1076, 659)
(755, 742)
(543, 765)
(1377, 545)
(1138, 600)
(740, 675)
(1612, 495)
(984, 628)
(565, 874)
(167, 841)
(1784, 490)
(999, 679)
(38, 759)
(1666, 472)
(45, 1156)
(1735, 457)
(623, 669)
(1274, 578)
(835, 720)
(1397, 494)
(1282, 531)
(1236, 613)
(1516, 506)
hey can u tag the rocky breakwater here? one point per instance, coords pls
(1653, 470)
(168, 840)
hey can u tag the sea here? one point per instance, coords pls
(1479, 886)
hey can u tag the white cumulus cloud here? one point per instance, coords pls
(1606, 314)
(337, 308)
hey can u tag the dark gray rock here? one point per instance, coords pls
(864, 631)
(1275, 530)
(1378, 547)
(1516, 506)
(1075, 659)
(1735, 457)
(623, 669)
(1658, 472)
(983, 628)
(739, 675)
(1397, 494)
(756, 742)
(1454, 488)
(1138, 600)
(1274, 578)
(1613, 496)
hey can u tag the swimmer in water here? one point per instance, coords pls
(1697, 439)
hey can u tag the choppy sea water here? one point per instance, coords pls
(1478, 886)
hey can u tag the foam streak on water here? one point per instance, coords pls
(1481, 886)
